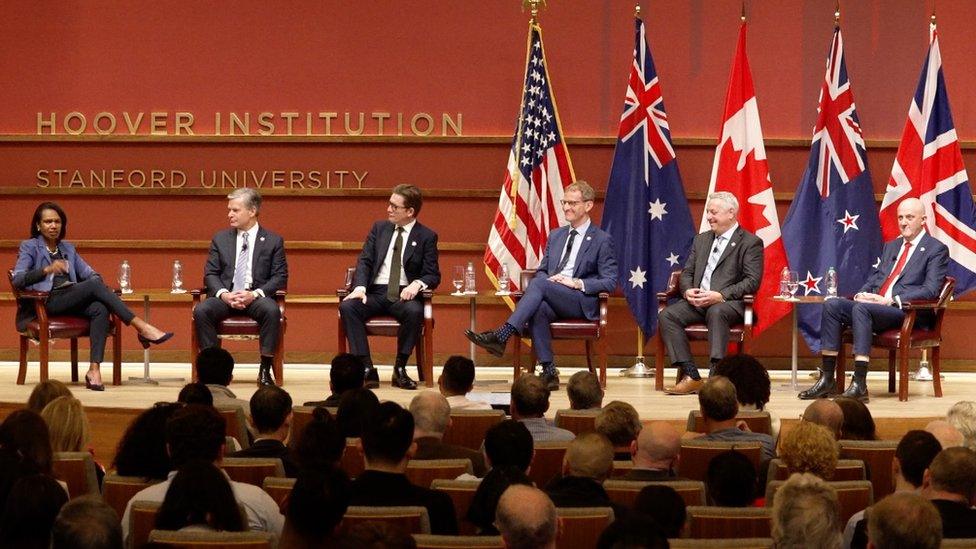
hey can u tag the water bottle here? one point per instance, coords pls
(503, 279)
(469, 279)
(784, 283)
(125, 277)
(830, 280)
(177, 278)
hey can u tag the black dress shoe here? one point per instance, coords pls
(487, 341)
(402, 381)
(551, 379)
(857, 389)
(372, 378)
(90, 385)
(265, 377)
(146, 342)
(823, 388)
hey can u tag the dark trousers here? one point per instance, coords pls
(544, 302)
(718, 318)
(863, 318)
(354, 314)
(94, 300)
(264, 310)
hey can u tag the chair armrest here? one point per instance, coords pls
(748, 299)
(33, 295)
(427, 295)
(923, 305)
(341, 293)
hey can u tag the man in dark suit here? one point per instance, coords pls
(912, 267)
(407, 250)
(577, 266)
(245, 268)
(271, 420)
(725, 263)
(431, 417)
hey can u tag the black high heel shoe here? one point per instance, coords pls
(146, 342)
(91, 386)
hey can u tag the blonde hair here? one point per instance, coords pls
(67, 424)
(810, 448)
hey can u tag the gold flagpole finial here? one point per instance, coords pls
(637, 12)
(533, 6)
(933, 13)
(742, 16)
(837, 13)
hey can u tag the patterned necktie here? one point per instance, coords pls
(393, 286)
(568, 252)
(896, 271)
(706, 280)
(240, 269)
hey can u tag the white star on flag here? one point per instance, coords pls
(657, 210)
(849, 221)
(811, 284)
(877, 263)
(672, 259)
(638, 278)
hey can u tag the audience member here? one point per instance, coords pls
(45, 392)
(752, 385)
(948, 436)
(508, 452)
(663, 505)
(731, 480)
(530, 402)
(200, 498)
(13, 467)
(376, 535)
(456, 381)
(962, 416)
(388, 446)
(620, 423)
(432, 416)
(806, 513)
(87, 522)
(69, 429)
(584, 391)
(950, 483)
(588, 462)
(29, 512)
(526, 518)
(142, 449)
(858, 423)
(320, 445)
(827, 413)
(315, 508)
(196, 393)
(654, 453)
(346, 373)
(271, 421)
(215, 369)
(25, 433)
(356, 409)
(902, 520)
(197, 432)
(633, 532)
(810, 448)
(718, 405)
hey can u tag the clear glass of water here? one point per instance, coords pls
(794, 284)
(458, 279)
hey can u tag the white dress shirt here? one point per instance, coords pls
(252, 236)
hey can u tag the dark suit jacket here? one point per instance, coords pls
(581, 492)
(648, 475)
(958, 520)
(29, 275)
(595, 265)
(419, 257)
(270, 448)
(431, 448)
(269, 268)
(738, 272)
(922, 276)
(378, 489)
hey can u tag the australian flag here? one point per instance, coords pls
(646, 211)
(833, 221)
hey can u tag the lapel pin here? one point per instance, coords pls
(921, 249)
(261, 239)
(414, 243)
(732, 243)
(589, 238)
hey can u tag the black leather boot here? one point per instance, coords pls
(824, 387)
(550, 375)
(859, 383)
(371, 380)
(264, 373)
(401, 380)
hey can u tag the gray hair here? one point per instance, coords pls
(431, 412)
(250, 197)
(806, 513)
(584, 188)
(726, 197)
(962, 416)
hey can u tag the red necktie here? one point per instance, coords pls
(897, 270)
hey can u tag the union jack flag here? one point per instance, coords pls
(833, 219)
(928, 166)
(539, 169)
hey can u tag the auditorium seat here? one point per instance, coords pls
(847, 469)
(409, 519)
(877, 456)
(199, 539)
(547, 462)
(624, 492)
(696, 454)
(721, 543)
(279, 488)
(853, 495)
(577, 421)
(77, 469)
(582, 526)
(710, 522)
(117, 490)
(252, 470)
(621, 467)
(758, 421)
(353, 460)
(468, 427)
(430, 541)
(236, 424)
(461, 492)
(142, 521)
(422, 472)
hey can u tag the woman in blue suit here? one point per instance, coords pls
(48, 263)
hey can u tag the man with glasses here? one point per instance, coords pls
(398, 262)
(577, 266)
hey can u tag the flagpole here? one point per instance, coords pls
(514, 174)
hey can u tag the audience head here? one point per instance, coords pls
(530, 397)
(356, 409)
(271, 410)
(914, 454)
(750, 378)
(195, 393)
(584, 391)
(589, 455)
(947, 435)
(200, 495)
(633, 531)
(25, 433)
(457, 377)
(376, 535)
(320, 445)
(142, 449)
(657, 446)
(45, 392)
(215, 366)
(195, 432)
(858, 423)
(619, 422)
(904, 519)
(664, 505)
(30, 510)
(809, 448)
(806, 513)
(962, 416)
(67, 424)
(717, 399)
(87, 522)
(347, 372)
(953, 472)
(526, 518)
(825, 412)
(509, 444)
(484, 504)
(388, 438)
(316, 506)
(731, 480)
(431, 414)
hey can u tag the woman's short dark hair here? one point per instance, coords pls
(195, 393)
(200, 495)
(858, 422)
(142, 449)
(30, 510)
(25, 432)
(317, 503)
(731, 480)
(320, 444)
(356, 407)
(37, 219)
(750, 378)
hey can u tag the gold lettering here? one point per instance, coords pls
(259, 183)
(132, 125)
(328, 117)
(184, 123)
(156, 177)
(380, 116)
(104, 116)
(266, 123)
(446, 122)
(43, 179)
(315, 179)
(235, 122)
(96, 180)
(341, 174)
(296, 179)
(359, 179)
(277, 179)
(226, 179)
(60, 174)
(217, 124)
(75, 115)
(203, 180)
(399, 123)
(359, 130)
(289, 118)
(132, 179)
(182, 179)
(308, 123)
(429, 123)
(158, 125)
(49, 124)
(117, 176)
(76, 180)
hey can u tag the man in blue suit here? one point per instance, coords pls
(912, 267)
(577, 266)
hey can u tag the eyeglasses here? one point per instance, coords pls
(396, 207)
(571, 203)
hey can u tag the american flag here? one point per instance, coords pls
(646, 211)
(539, 169)
(833, 219)
(929, 166)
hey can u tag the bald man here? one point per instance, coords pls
(655, 453)
(912, 268)
(526, 518)
(827, 413)
(947, 435)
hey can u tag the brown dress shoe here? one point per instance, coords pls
(687, 386)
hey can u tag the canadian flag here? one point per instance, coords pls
(740, 168)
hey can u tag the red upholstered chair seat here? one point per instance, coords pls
(59, 327)
(575, 329)
(386, 326)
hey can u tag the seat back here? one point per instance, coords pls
(236, 424)
(117, 490)
(696, 454)
(429, 541)
(576, 421)
(461, 492)
(853, 496)
(422, 472)
(77, 469)
(279, 488)
(877, 456)
(959, 542)
(468, 427)
(758, 421)
(624, 492)
(142, 521)
(709, 522)
(353, 460)
(410, 519)
(212, 540)
(847, 469)
(252, 470)
(582, 526)
(741, 543)
(621, 467)
(547, 462)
